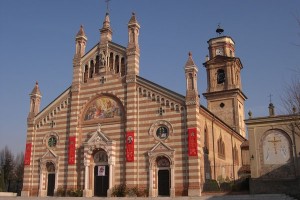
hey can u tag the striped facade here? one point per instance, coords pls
(137, 132)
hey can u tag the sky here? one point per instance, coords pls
(37, 43)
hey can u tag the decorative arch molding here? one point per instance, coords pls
(160, 123)
(102, 107)
(48, 157)
(157, 151)
(98, 140)
(276, 155)
(48, 135)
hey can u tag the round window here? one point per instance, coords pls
(52, 141)
(162, 132)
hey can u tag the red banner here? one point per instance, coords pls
(130, 146)
(192, 139)
(27, 154)
(72, 142)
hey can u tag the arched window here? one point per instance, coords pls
(206, 140)
(123, 70)
(111, 61)
(220, 76)
(117, 64)
(235, 155)
(97, 65)
(221, 148)
(190, 82)
(86, 72)
(92, 68)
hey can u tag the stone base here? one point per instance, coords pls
(42, 193)
(8, 194)
(109, 191)
(87, 193)
(24, 193)
(194, 192)
(172, 192)
(261, 186)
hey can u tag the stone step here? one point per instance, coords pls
(208, 197)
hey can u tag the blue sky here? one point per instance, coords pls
(37, 40)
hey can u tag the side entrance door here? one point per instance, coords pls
(101, 179)
(163, 182)
(51, 184)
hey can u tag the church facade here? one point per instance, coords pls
(113, 127)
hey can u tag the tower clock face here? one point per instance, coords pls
(219, 51)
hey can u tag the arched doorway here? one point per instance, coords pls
(163, 176)
(50, 178)
(101, 173)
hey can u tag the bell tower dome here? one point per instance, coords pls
(224, 86)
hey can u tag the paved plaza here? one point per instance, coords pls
(209, 197)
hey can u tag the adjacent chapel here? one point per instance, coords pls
(112, 126)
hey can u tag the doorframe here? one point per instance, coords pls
(49, 156)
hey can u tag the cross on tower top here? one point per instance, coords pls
(270, 96)
(107, 5)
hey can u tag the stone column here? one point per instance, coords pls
(41, 181)
(86, 191)
(150, 181)
(172, 189)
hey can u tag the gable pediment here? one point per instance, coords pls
(49, 155)
(160, 148)
(98, 137)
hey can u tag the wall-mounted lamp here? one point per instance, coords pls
(252, 157)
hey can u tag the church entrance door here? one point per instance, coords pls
(51, 184)
(101, 180)
(163, 182)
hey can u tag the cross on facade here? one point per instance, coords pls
(102, 79)
(99, 127)
(52, 124)
(274, 141)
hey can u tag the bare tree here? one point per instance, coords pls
(7, 164)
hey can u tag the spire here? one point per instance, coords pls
(133, 49)
(133, 20)
(36, 90)
(35, 102)
(106, 31)
(80, 32)
(191, 72)
(106, 23)
(80, 45)
(190, 61)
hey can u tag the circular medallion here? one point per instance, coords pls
(52, 141)
(162, 132)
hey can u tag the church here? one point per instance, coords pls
(113, 127)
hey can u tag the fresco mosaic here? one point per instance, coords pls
(102, 108)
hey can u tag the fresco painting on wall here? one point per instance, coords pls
(102, 108)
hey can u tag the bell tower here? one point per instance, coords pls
(224, 87)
